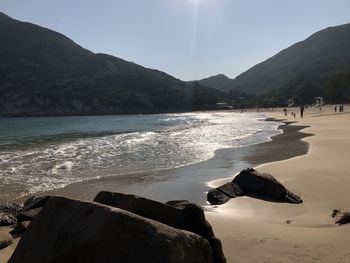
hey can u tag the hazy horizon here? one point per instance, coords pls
(188, 39)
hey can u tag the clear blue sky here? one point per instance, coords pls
(189, 39)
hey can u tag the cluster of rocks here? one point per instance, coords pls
(117, 227)
(18, 217)
(114, 227)
(252, 183)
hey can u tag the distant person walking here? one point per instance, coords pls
(335, 109)
(301, 111)
(285, 111)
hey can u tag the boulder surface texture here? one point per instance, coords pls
(179, 214)
(68, 230)
(252, 183)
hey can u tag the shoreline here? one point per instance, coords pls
(219, 165)
(191, 182)
(16, 188)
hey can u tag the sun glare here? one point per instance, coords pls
(196, 2)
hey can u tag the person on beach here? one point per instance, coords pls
(285, 111)
(335, 109)
(301, 111)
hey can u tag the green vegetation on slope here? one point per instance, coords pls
(43, 73)
(317, 66)
(314, 59)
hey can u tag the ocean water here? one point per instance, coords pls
(45, 153)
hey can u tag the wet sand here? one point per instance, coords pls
(191, 182)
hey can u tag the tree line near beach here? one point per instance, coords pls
(334, 89)
(44, 73)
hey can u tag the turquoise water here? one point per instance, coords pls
(44, 153)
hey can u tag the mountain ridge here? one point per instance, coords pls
(314, 58)
(44, 73)
(219, 82)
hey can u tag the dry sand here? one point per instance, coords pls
(6, 253)
(253, 230)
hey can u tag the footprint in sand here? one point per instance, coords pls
(345, 258)
(267, 240)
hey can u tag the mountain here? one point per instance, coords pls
(219, 82)
(313, 60)
(44, 73)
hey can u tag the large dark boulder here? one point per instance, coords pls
(179, 214)
(250, 182)
(70, 231)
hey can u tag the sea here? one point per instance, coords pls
(46, 153)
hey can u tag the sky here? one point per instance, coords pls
(189, 39)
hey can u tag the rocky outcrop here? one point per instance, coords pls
(341, 217)
(28, 215)
(250, 182)
(11, 213)
(7, 219)
(224, 193)
(10, 208)
(35, 202)
(179, 214)
(69, 230)
(8, 212)
(215, 197)
(20, 215)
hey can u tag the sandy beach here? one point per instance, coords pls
(253, 230)
(312, 163)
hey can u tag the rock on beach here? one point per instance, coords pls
(252, 183)
(68, 230)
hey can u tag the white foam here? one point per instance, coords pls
(66, 166)
(194, 138)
